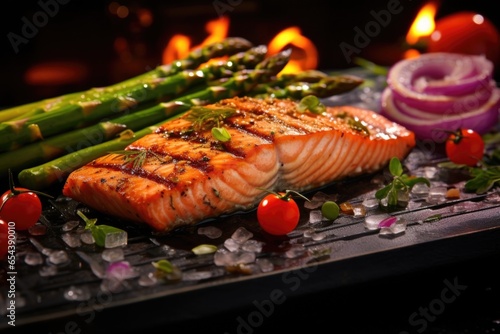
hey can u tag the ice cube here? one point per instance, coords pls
(58, 257)
(372, 221)
(420, 189)
(315, 216)
(87, 238)
(148, 279)
(398, 227)
(211, 232)
(70, 225)
(116, 239)
(358, 210)
(72, 239)
(370, 203)
(231, 245)
(252, 246)
(241, 235)
(33, 259)
(112, 254)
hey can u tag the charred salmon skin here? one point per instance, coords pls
(181, 174)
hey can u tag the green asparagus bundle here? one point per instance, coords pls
(240, 83)
(193, 60)
(71, 115)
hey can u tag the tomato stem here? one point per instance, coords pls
(14, 191)
(287, 195)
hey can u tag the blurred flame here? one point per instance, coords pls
(304, 57)
(179, 45)
(422, 27)
(293, 36)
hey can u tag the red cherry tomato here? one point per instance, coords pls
(465, 147)
(4, 239)
(278, 214)
(22, 207)
(468, 33)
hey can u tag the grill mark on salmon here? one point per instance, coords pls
(188, 176)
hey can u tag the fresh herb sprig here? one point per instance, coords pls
(484, 177)
(99, 232)
(401, 182)
(204, 118)
(311, 103)
(136, 157)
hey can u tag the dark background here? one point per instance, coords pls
(81, 35)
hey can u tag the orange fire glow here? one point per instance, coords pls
(179, 45)
(422, 27)
(304, 52)
(293, 36)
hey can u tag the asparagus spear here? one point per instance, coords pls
(324, 87)
(195, 58)
(49, 173)
(55, 171)
(56, 146)
(18, 132)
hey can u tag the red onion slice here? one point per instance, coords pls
(442, 91)
(431, 126)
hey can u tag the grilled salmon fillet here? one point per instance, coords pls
(185, 175)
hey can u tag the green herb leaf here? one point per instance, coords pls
(204, 249)
(411, 181)
(136, 157)
(383, 192)
(99, 232)
(401, 184)
(395, 167)
(221, 134)
(163, 266)
(311, 103)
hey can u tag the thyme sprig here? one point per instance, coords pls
(204, 118)
(136, 157)
(401, 183)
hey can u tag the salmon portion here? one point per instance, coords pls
(186, 175)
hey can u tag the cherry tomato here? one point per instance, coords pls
(466, 32)
(465, 147)
(278, 214)
(4, 239)
(22, 207)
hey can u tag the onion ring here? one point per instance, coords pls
(442, 91)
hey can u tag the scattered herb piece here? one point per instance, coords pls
(433, 218)
(204, 249)
(221, 134)
(311, 103)
(484, 176)
(354, 123)
(211, 118)
(164, 266)
(401, 183)
(136, 157)
(167, 271)
(101, 232)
